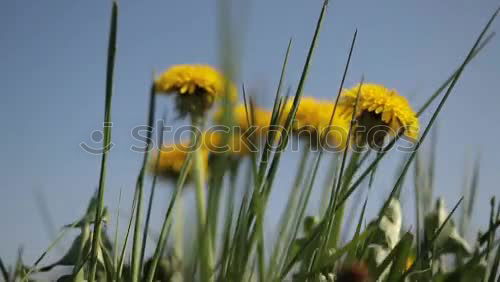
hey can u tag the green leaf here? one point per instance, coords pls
(382, 258)
(72, 255)
(331, 260)
(444, 234)
(389, 226)
(474, 270)
(400, 261)
(494, 266)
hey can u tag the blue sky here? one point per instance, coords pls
(52, 74)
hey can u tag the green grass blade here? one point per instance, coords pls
(286, 269)
(330, 264)
(339, 212)
(494, 266)
(298, 95)
(324, 228)
(282, 77)
(107, 262)
(115, 244)
(438, 231)
(491, 230)
(106, 139)
(231, 263)
(260, 196)
(418, 197)
(337, 190)
(299, 217)
(328, 185)
(431, 242)
(3, 270)
(274, 120)
(473, 189)
(287, 216)
(121, 260)
(433, 153)
(491, 223)
(452, 76)
(155, 177)
(437, 111)
(139, 243)
(379, 157)
(43, 207)
(168, 217)
(399, 264)
(351, 256)
(51, 246)
(228, 222)
(393, 255)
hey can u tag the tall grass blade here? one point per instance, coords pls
(274, 117)
(3, 270)
(51, 246)
(402, 245)
(107, 262)
(288, 215)
(299, 217)
(332, 260)
(121, 260)
(334, 190)
(115, 244)
(455, 73)
(139, 243)
(491, 230)
(328, 184)
(337, 190)
(493, 272)
(351, 256)
(437, 111)
(286, 269)
(440, 229)
(386, 149)
(106, 139)
(155, 177)
(399, 264)
(298, 95)
(264, 184)
(168, 216)
(42, 204)
(418, 197)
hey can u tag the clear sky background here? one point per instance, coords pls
(52, 73)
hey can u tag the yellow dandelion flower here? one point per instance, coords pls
(237, 145)
(307, 116)
(313, 117)
(337, 131)
(382, 108)
(259, 117)
(168, 161)
(198, 86)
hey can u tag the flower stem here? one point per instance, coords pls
(199, 176)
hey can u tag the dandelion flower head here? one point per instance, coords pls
(168, 161)
(197, 86)
(313, 117)
(236, 144)
(380, 106)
